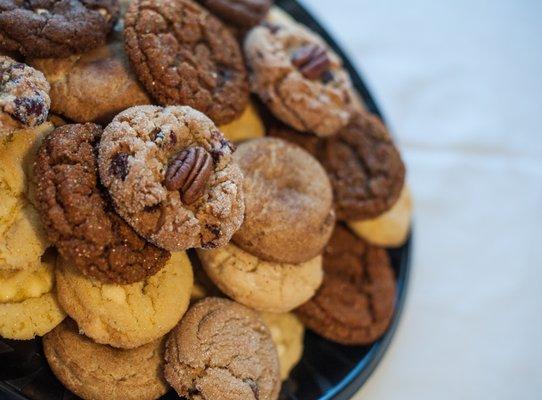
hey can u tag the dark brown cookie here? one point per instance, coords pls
(55, 28)
(241, 13)
(354, 305)
(363, 164)
(77, 216)
(184, 55)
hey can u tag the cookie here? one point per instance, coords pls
(354, 305)
(298, 77)
(363, 164)
(389, 229)
(55, 28)
(198, 64)
(248, 126)
(126, 316)
(77, 215)
(17, 286)
(240, 13)
(222, 350)
(287, 333)
(288, 202)
(22, 238)
(171, 176)
(261, 285)
(24, 96)
(203, 285)
(93, 86)
(95, 371)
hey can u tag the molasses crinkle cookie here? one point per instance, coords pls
(171, 176)
(298, 76)
(55, 28)
(24, 95)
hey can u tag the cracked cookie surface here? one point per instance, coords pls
(95, 371)
(288, 202)
(222, 350)
(308, 90)
(126, 316)
(363, 165)
(354, 305)
(138, 154)
(261, 285)
(77, 215)
(184, 55)
(55, 28)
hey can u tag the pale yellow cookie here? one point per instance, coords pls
(248, 126)
(287, 333)
(22, 238)
(389, 229)
(30, 318)
(127, 316)
(17, 286)
(261, 285)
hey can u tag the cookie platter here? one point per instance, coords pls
(326, 370)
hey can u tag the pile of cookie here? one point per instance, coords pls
(160, 227)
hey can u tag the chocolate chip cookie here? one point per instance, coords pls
(288, 198)
(298, 76)
(77, 215)
(55, 28)
(184, 55)
(171, 176)
(241, 13)
(354, 305)
(24, 96)
(222, 350)
(362, 162)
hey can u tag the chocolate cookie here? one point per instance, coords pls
(354, 305)
(171, 176)
(362, 162)
(184, 55)
(24, 96)
(288, 198)
(55, 28)
(78, 217)
(298, 77)
(241, 13)
(222, 350)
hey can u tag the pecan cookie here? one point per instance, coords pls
(171, 176)
(288, 198)
(78, 217)
(241, 13)
(362, 162)
(298, 76)
(24, 96)
(354, 305)
(222, 350)
(55, 28)
(184, 55)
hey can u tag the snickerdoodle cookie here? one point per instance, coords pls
(288, 202)
(171, 176)
(222, 350)
(96, 371)
(126, 316)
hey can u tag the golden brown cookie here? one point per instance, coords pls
(98, 372)
(127, 316)
(262, 285)
(222, 350)
(248, 126)
(288, 202)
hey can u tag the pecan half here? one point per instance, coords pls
(188, 172)
(312, 61)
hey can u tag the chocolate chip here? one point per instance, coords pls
(119, 165)
(28, 107)
(312, 61)
(327, 77)
(224, 75)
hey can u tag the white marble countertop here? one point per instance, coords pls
(460, 84)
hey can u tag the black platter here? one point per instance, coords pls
(327, 370)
